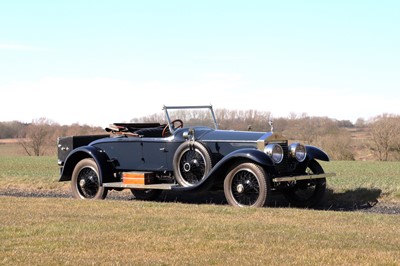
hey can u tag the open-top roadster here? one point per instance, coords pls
(192, 155)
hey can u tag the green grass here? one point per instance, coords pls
(365, 179)
(54, 231)
(355, 181)
(65, 231)
(29, 172)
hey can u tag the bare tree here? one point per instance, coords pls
(36, 137)
(360, 123)
(384, 133)
(158, 117)
(304, 128)
(338, 145)
(9, 130)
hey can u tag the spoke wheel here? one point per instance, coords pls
(307, 193)
(246, 185)
(146, 194)
(192, 163)
(85, 182)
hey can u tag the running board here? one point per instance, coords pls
(134, 186)
(302, 177)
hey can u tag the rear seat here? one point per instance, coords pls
(153, 132)
(145, 130)
(118, 130)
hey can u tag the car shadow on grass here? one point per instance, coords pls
(350, 200)
(360, 199)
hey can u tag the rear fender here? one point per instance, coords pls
(99, 156)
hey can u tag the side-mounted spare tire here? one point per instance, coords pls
(192, 163)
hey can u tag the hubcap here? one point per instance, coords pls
(88, 183)
(192, 166)
(245, 187)
(186, 167)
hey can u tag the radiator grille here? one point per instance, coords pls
(283, 165)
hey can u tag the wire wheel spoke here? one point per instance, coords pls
(245, 188)
(88, 183)
(192, 166)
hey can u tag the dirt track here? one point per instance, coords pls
(216, 198)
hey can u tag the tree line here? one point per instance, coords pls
(337, 137)
(39, 137)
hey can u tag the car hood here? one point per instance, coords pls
(228, 135)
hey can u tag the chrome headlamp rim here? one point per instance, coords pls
(298, 151)
(275, 152)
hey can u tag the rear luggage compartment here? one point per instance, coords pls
(67, 144)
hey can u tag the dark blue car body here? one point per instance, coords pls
(246, 165)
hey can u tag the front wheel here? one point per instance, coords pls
(85, 181)
(307, 193)
(246, 185)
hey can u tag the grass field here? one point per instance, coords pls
(43, 231)
(26, 172)
(369, 180)
(54, 231)
(356, 181)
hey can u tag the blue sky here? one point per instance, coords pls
(98, 62)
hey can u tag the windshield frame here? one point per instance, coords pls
(167, 116)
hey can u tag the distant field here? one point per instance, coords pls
(9, 147)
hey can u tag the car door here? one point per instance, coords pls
(154, 155)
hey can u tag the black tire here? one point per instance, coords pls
(307, 193)
(192, 163)
(146, 194)
(246, 185)
(85, 181)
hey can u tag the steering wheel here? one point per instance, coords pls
(166, 128)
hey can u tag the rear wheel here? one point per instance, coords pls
(146, 194)
(85, 181)
(246, 185)
(307, 193)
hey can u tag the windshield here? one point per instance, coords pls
(191, 116)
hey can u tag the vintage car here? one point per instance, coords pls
(192, 156)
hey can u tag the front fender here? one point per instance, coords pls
(254, 155)
(315, 153)
(223, 165)
(100, 157)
